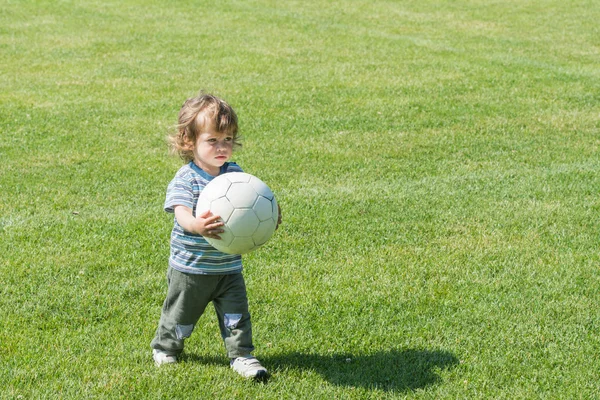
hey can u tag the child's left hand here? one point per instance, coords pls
(278, 218)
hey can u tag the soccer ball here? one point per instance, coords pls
(247, 208)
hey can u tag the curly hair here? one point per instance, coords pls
(198, 113)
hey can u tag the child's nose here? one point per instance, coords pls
(221, 145)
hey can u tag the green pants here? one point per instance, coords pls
(187, 298)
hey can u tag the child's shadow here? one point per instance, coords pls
(391, 371)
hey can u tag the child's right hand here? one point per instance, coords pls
(205, 224)
(209, 225)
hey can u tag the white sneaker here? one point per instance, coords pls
(160, 358)
(249, 367)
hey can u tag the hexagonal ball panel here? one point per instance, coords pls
(241, 195)
(202, 206)
(261, 188)
(243, 222)
(223, 243)
(216, 188)
(263, 208)
(221, 207)
(238, 177)
(241, 245)
(264, 232)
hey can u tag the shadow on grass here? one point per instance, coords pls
(391, 371)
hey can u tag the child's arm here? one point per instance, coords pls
(205, 224)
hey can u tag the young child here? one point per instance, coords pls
(198, 273)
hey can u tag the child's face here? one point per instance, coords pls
(212, 150)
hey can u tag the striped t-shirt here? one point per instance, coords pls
(191, 253)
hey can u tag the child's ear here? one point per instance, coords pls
(189, 144)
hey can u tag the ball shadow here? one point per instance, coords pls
(390, 371)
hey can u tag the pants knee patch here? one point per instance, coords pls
(184, 331)
(232, 320)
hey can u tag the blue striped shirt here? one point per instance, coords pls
(191, 253)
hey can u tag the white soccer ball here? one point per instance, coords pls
(247, 208)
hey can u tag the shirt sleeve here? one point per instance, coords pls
(179, 193)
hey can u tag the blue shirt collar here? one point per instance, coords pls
(205, 174)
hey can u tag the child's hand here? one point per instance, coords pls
(278, 218)
(209, 225)
(205, 224)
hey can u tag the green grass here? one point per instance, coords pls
(436, 162)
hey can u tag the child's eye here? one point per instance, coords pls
(228, 139)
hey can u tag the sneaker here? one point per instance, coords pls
(160, 358)
(249, 367)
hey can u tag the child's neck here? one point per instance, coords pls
(209, 169)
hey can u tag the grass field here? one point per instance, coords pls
(437, 163)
